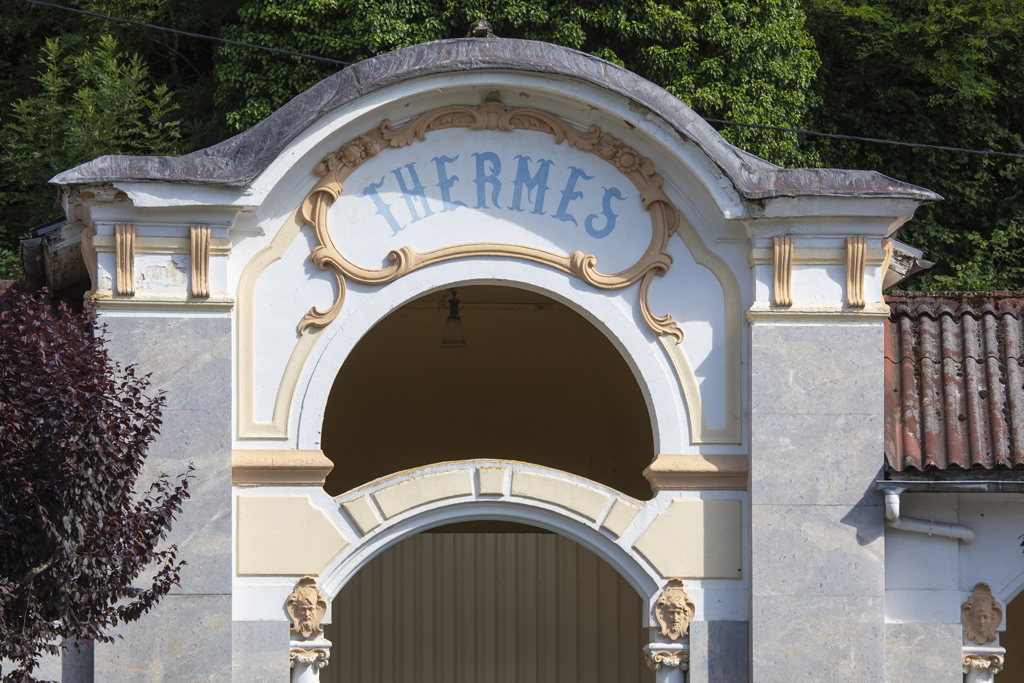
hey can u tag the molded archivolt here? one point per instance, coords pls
(647, 543)
(492, 115)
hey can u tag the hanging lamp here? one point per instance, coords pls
(454, 335)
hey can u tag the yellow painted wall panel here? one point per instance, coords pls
(285, 535)
(586, 501)
(696, 539)
(412, 493)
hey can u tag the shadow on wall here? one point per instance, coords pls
(537, 383)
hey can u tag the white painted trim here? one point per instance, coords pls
(763, 311)
(1011, 590)
(814, 257)
(105, 299)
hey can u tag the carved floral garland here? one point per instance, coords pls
(335, 168)
(318, 657)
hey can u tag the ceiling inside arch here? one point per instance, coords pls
(536, 383)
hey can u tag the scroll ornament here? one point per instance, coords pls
(674, 611)
(199, 258)
(992, 663)
(307, 607)
(89, 256)
(981, 615)
(336, 167)
(658, 659)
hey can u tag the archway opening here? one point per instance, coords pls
(487, 601)
(537, 382)
(1013, 640)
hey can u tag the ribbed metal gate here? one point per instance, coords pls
(487, 608)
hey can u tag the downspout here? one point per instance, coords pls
(922, 526)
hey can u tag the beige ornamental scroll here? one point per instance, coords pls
(335, 168)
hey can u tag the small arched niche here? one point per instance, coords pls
(536, 383)
(487, 601)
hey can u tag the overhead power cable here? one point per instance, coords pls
(187, 33)
(860, 139)
(725, 122)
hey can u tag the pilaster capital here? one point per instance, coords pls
(671, 655)
(991, 663)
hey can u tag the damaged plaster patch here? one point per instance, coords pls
(164, 276)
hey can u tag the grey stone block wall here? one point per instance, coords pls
(188, 636)
(260, 651)
(187, 639)
(916, 652)
(48, 669)
(817, 570)
(718, 652)
(78, 663)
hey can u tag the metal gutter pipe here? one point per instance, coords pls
(922, 526)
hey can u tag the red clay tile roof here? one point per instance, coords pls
(954, 385)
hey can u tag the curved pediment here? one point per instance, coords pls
(236, 162)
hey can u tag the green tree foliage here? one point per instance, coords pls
(89, 101)
(183, 64)
(750, 60)
(948, 73)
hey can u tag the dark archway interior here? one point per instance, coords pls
(537, 383)
(503, 607)
(1013, 640)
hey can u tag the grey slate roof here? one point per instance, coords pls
(237, 161)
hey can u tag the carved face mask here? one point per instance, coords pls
(981, 615)
(307, 607)
(674, 611)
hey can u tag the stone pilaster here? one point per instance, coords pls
(187, 637)
(260, 651)
(817, 571)
(718, 652)
(917, 651)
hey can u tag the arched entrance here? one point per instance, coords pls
(497, 593)
(541, 422)
(469, 544)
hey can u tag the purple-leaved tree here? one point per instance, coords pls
(80, 545)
